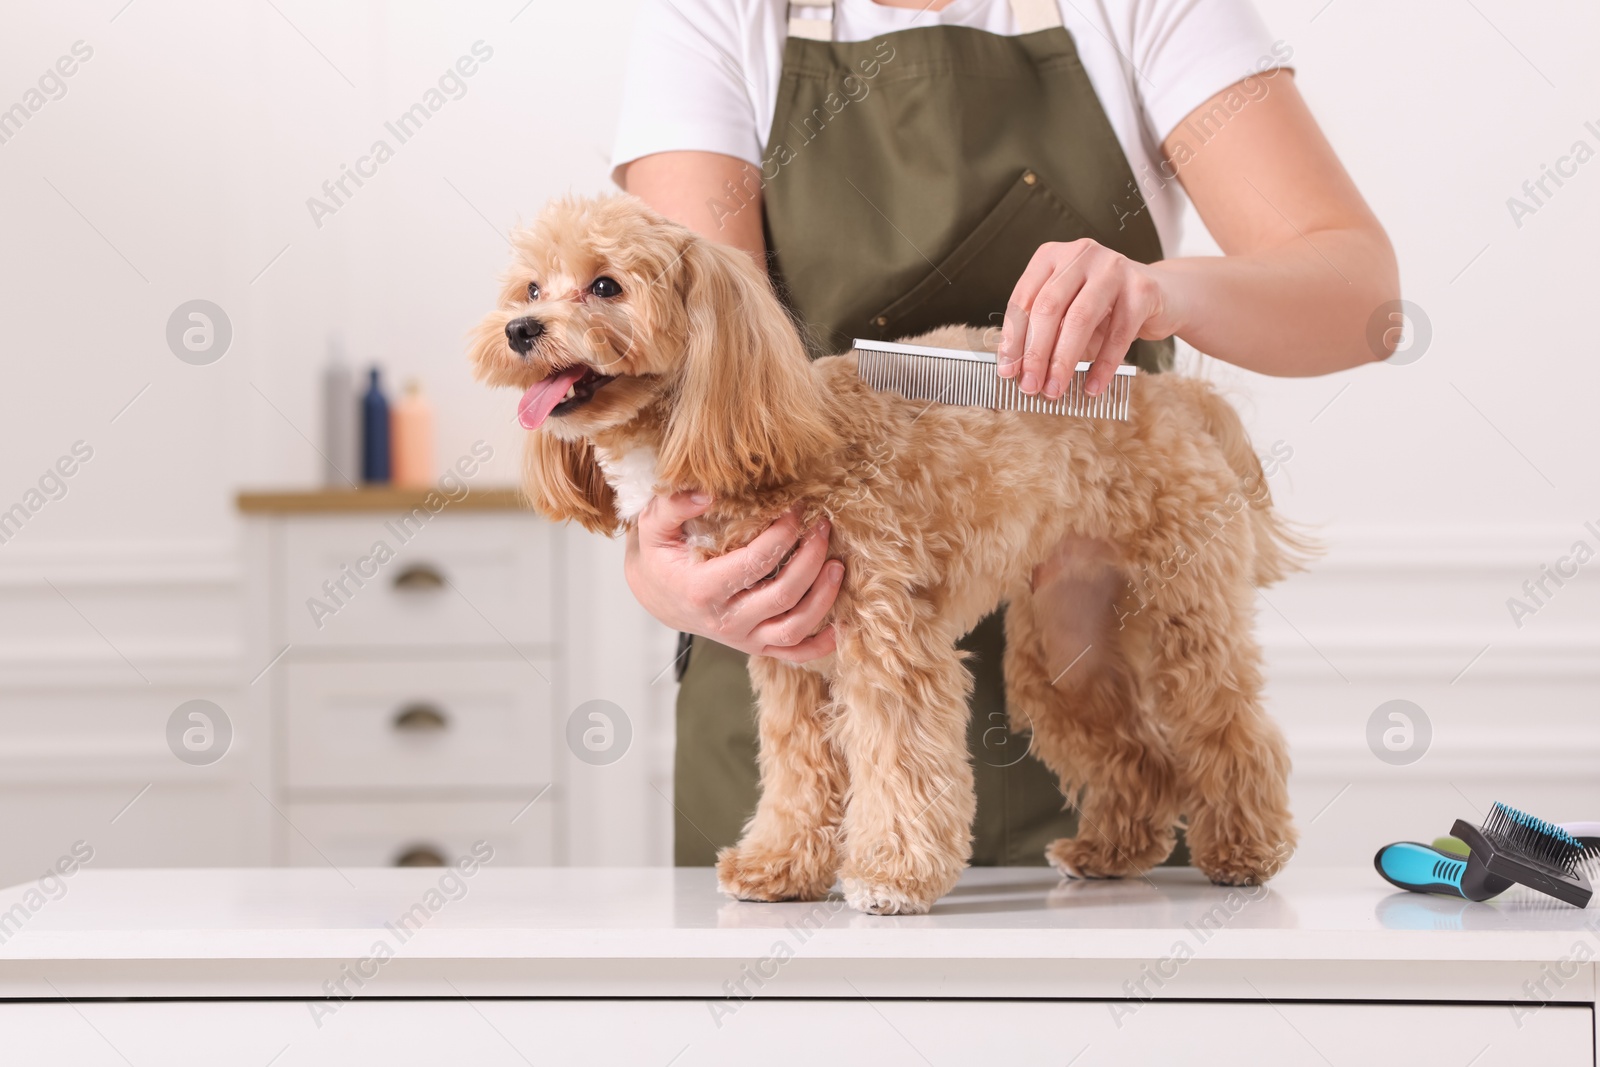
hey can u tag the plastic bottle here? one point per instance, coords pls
(411, 428)
(341, 434)
(374, 433)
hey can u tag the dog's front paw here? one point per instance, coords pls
(1091, 856)
(754, 874)
(1242, 863)
(887, 882)
(880, 898)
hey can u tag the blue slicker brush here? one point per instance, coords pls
(1512, 847)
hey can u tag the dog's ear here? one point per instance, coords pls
(563, 482)
(746, 407)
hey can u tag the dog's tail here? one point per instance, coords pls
(1281, 547)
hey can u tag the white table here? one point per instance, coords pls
(652, 967)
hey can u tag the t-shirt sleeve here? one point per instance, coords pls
(685, 87)
(1186, 51)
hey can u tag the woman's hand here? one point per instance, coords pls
(730, 598)
(1079, 301)
(1305, 266)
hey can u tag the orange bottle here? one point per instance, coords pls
(411, 432)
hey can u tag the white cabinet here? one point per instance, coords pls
(455, 723)
(425, 833)
(840, 1033)
(386, 581)
(412, 675)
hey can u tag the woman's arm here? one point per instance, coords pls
(729, 599)
(692, 188)
(1305, 263)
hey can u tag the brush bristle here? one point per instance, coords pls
(1588, 864)
(969, 379)
(1585, 868)
(1535, 839)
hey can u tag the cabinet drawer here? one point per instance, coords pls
(466, 724)
(387, 834)
(409, 580)
(840, 1033)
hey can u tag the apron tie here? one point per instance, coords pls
(811, 22)
(814, 22)
(1035, 15)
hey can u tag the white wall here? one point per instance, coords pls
(178, 165)
(190, 142)
(1442, 485)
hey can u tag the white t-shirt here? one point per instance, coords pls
(703, 75)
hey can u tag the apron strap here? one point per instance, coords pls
(813, 22)
(1035, 15)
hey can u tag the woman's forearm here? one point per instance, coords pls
(1307, 263)
(1298, 309)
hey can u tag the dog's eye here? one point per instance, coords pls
(533, 290)
(605, 288)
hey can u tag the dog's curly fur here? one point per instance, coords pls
(1127, 553)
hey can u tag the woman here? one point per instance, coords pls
(903, 164)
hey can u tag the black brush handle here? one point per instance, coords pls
(1479, 882)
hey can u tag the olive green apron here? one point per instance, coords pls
(908, 181)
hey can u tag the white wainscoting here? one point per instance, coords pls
(1420, 615)
(99, 643)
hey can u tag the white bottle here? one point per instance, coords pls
(341, 426)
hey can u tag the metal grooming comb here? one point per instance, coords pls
(959, 376)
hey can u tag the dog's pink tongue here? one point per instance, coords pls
(537, 403)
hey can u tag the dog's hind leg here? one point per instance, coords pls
(1233, 765)
(902, 725)
(789, 850)
(1069, 681)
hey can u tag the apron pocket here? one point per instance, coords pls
(1000, 246)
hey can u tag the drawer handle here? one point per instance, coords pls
(420, 856)
(421, 718)
(420, 578)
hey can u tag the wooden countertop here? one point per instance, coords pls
(375, 498)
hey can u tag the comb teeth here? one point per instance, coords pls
(1534, 838)
(953, 376)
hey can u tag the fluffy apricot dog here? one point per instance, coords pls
(652, 360)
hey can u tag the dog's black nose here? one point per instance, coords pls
(521, 333)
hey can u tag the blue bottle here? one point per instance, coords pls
(374, 433)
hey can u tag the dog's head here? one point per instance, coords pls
(623, 328)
